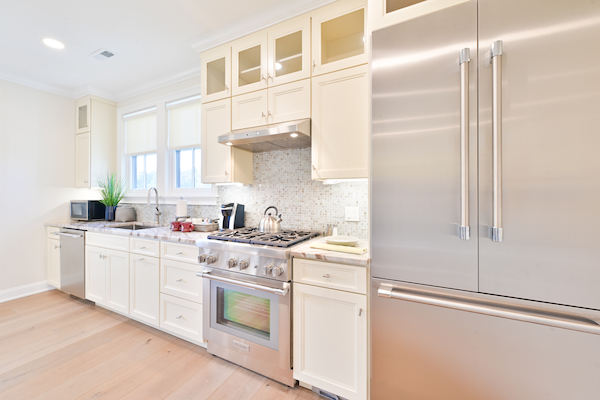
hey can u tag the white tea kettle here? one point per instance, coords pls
(270, 224)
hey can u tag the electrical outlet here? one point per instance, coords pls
(352, 214)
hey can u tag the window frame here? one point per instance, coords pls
(186, 191)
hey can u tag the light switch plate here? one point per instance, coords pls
(352, 214)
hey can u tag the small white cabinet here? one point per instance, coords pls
(340, 124)
(384, 13)
(249, 59)
(220, 163)
(330, 340)
(276, 104)
(216, 73)
(339, 36)
(144, 303)
(107, 278)
(289, 51)
(95, 141)
(53, 257)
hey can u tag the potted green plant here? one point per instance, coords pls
(112, 191)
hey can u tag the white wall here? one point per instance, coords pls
(37, 177)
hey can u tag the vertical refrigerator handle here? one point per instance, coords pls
(464, 61)
(496, 60)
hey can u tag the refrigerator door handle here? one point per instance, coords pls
(464, 62)
(496, 60)
(540, 316)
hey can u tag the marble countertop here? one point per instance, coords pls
(305, 251)
(157, 232)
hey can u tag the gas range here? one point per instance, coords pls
(250, 252)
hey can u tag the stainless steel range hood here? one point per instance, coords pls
(286, 135)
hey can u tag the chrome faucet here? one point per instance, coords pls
(157, 213)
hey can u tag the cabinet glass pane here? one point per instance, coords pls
(83, 123)
(343, 37)
(394, 5)
(288, 54)
(249, 66)
(215, 76)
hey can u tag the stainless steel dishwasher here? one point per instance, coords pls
(72, 261)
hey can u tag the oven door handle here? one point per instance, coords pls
(281, 292)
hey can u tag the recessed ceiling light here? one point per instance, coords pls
(55, 44)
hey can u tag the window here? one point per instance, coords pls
(143, 171)
(187, 169)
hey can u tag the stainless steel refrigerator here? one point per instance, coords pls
(486, 203)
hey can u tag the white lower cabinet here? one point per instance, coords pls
(144, 288)
(53, 258)
(181, 317)
(107, 278)
(330, 340)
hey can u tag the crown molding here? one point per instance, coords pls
(46, 87)
(87, 90)
(255, 22)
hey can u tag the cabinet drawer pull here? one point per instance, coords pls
(314, 65)
(360, 310)
(57, 246)
(180, 253)
(179, 280)
(327, 276)
(181, 316)
(141, 259)
(143, 247)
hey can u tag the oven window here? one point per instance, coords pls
(244, 312)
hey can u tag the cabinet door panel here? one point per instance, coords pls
(289, 51)
(289, 102)
(216, 158)
(330, 340)
(249, 63)
(144, 288)
(181, 317)
(83, 108)
(216, 73)
(249, 110)
(95, 274)
(340, 124)
(54, 262)
(82, 160)
(117, 281)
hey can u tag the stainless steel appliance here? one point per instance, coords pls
(87, 210)
(232, 216)
(270, 224)
(247, 298)
(287, 135)
(72, 261)
(485, 193)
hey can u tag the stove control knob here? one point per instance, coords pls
(211, 259)
(232, 262)
(244, 264)
(277, 271)
(268, 269)
(202, 258)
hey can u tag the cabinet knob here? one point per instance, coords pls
(269, 115)
(179, 280)
(180, 253)
(327, 276)
(57, 246)
(270, 77)
(263, 115)
(314, 65)
(226, 87)
(141, 259)
(181, 316)
(226, 173)
(262, 77)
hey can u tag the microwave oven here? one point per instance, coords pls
(87, 210)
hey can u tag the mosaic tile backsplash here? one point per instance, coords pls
(282, 179)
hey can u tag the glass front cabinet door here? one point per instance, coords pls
(289, 51)
(249, 63)
(216, 73)
(83, 108)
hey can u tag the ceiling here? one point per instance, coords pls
(156, 42)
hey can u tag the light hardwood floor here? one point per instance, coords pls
(55, 347)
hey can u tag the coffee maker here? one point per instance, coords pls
(232, 216)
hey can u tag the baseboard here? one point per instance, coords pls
(24, 291)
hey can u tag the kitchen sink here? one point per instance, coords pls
(133, 227)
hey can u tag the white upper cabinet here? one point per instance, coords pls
(340, 124)
(83, 110)
(82, 160)
(383, 13)
(216, 73)
(289, 51)
(339, 36)
(249, 63)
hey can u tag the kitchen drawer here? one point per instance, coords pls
(50, 230)
(181, 317)
(180, 252)
(106, 241)
(179, 279)
(144, 247)
(330, 275)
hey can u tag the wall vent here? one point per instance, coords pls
(102, 54)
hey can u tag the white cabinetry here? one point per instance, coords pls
(339, 36)
(273, 105)
(340, 124)
(95, 140)
(249, 58)
(144, 288)
(383, 13)
(220, 163)
(216, 73)
(53, 257)
(330, 340)
(107, 278)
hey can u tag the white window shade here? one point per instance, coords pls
(140, 129)
(184, 125)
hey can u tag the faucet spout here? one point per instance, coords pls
(157, 213)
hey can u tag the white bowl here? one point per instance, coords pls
(342, 240)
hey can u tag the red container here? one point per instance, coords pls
(187, 227)
(176, 226)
